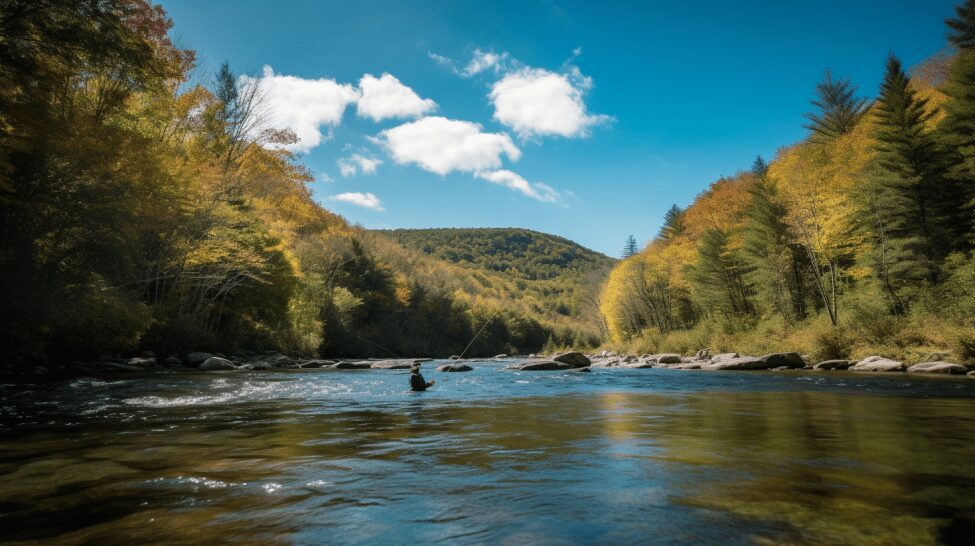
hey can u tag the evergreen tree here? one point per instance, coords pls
(839, 109)
(719, 276)
(775, 270)
(759, 167)
(673, 223)
(957, 131)
(630, 248)
(907, 220)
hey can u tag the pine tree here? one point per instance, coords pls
(775, 270)
(759, 167)
(907, 219)
(839, 109)
(673, 223)
(630, 248)
(719, 276)
(957, 131)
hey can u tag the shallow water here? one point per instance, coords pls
(490, 456)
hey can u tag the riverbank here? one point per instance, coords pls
(149, 363)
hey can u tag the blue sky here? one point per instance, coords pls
(594, 119)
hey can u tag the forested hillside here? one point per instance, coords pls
(856, 240)
(140, 209)
(521, 253)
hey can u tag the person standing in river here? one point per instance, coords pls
(417, 382)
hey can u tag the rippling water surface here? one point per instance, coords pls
(493, 455)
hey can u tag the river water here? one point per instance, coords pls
(490, 456)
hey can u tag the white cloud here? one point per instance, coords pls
(349, 166)
(442, 61)
(537, 102)
(484, 60)
(365, 200)
(304, 106)
(386, 97)
(326, 178)
(512, 180)
(442, 145)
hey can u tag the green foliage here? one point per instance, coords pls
(838, 109)
(673, 224)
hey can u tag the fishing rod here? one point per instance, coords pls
(488, 321)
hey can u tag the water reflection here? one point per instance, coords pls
(612, 458)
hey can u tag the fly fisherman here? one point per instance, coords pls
(417, 382)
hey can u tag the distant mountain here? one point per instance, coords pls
(513, 252)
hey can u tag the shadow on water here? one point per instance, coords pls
(308, 458)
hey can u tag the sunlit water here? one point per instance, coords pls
(490, 456)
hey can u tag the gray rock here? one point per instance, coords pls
(837, 364)
(502, 355)
(669, 358)
(788, 360)
(723, 356)
(317, 363)
(642, 365)
(878, 364)
(346, 365)
(686, 366)
(574, 359)
(782, 368)
(971, 373)
(172, 361)
(544, 365)
(259, 365)
(215, 363)
(279, 361)
(703, 354)
(938, 367)
(581, 370)
(454, 368)
(392, 364)
(196, 359)
(739, 363)
(141, 361)
(630, 358)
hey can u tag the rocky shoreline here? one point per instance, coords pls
(148, 362)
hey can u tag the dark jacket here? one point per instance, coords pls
(417, 382)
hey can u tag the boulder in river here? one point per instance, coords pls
(398, 364)
(543, 365)
(502, 355)
(668, 358)
(836, 364)
(938, 367)
(738, 363)
(642, 365)
(575, 359)
(454, 368)
(587, 369)
(346, 365)
(788, 360)
(317, 363)
(215, 363)
(141, 361)
(197, 358)
(878, 364)
(723, 356)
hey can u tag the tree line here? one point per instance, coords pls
(857, 239)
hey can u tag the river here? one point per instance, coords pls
(490, 456)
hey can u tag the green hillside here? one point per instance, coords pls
(519, 253)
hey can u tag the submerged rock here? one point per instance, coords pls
(393, 364)
(938, 367)
(454, 368)
(837, 364)
(581, 370)
(575, 359)
(317, 363)
(543, 365)
(878, 364)
(215, 363)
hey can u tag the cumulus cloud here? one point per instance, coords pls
(350, 166)
(514, 181)
(442, 145)
(365, 200)
(302, 105)
(484, 60)
(386, 97)
(537, 102)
